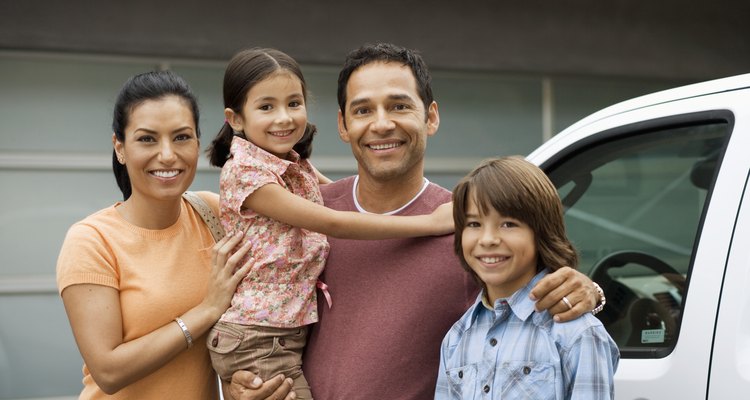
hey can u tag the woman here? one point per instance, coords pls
(143, 280)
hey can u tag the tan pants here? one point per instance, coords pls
(262, 350)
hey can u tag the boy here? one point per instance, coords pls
(510, 233)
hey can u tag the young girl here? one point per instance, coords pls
(270, 194)
(509, 234)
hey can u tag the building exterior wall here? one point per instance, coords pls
(506, 75)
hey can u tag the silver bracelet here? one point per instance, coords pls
(185, 331)
(602, 299)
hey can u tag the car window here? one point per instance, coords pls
(634, 202)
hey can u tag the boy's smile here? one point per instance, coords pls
(499, 249)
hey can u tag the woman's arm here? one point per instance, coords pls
(95, 317)
(281, 205)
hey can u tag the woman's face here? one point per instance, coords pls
(161, 148)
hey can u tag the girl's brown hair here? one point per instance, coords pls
(245, 70)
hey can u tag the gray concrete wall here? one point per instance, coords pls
(647, 39)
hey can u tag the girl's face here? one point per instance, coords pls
(499, 249)
(161, 148)
(274, 115)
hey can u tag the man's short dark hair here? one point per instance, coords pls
(386, 52)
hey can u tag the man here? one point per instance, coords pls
(394, 300)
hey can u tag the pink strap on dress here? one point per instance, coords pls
(323, 287)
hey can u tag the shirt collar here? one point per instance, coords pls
(519, 302)
(246, 152)
(425, 184)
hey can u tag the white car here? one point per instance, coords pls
(658, 204)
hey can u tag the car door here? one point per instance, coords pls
(650, 207)
(729, 375)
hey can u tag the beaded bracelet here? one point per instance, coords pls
(185, 331)
(602, 299)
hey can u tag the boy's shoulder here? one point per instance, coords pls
(568, 333)
(463, 324)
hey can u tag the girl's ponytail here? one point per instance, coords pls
(218, 152)
(244, 70)
(304, 146)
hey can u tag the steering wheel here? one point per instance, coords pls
(626, 314)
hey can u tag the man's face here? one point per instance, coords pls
(386, 122)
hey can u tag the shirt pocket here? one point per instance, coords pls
(464, 382)
(528, 380)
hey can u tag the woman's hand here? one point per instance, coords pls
(95, 315)
(225, 276)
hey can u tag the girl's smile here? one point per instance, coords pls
(274, 117)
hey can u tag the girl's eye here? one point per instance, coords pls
(472, 224)
(295, 104)
(509, 224)
(265, 107)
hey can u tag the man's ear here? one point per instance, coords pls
(433, 119)
(343, 132)
(233, 119)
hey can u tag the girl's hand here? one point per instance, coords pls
(442, 219)
(225, 276)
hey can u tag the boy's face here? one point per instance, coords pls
(499, 249)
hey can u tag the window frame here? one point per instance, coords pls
(646, 127)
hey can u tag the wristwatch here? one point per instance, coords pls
(602, 299)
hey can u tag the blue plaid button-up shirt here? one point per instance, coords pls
(513, 352)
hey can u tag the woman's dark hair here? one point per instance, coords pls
(518, 189)
(246, 69)
(152, 85)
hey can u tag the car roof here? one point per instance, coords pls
(731, 83)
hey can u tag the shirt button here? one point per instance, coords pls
(460, 374)
(282, 342)
(526, 370)
(215, 341)
(493, 342)
(486, 388)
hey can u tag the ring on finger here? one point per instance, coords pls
(567, 302)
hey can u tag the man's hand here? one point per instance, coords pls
(577, 288)
(246, 386)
